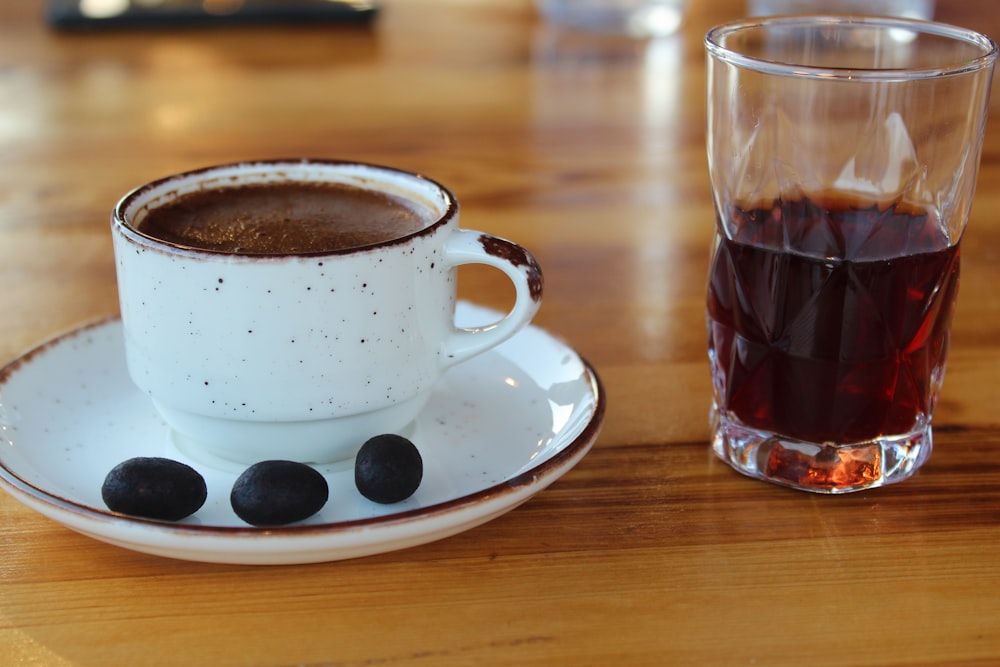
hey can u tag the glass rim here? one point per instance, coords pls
(715, 39)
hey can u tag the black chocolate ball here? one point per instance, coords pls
(154, 488)
(274, 493)
(388, 469)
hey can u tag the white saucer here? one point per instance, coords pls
(499, 429)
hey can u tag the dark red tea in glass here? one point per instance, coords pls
(843, 339)
(843, 153)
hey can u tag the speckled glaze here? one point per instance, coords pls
(302, 357)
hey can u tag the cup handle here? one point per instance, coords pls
(466, 246)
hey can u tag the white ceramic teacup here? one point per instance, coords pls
(305, 356)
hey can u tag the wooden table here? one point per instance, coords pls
(590, 151)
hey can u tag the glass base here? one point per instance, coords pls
(821, 468)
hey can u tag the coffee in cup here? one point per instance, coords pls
(285, 218)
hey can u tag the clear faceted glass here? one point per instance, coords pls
(843, 154)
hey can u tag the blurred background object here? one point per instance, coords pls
(637, 18)
(914, 9)
(87, 14)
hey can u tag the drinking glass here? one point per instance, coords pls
(843, 154)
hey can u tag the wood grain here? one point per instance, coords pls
(590, 151)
